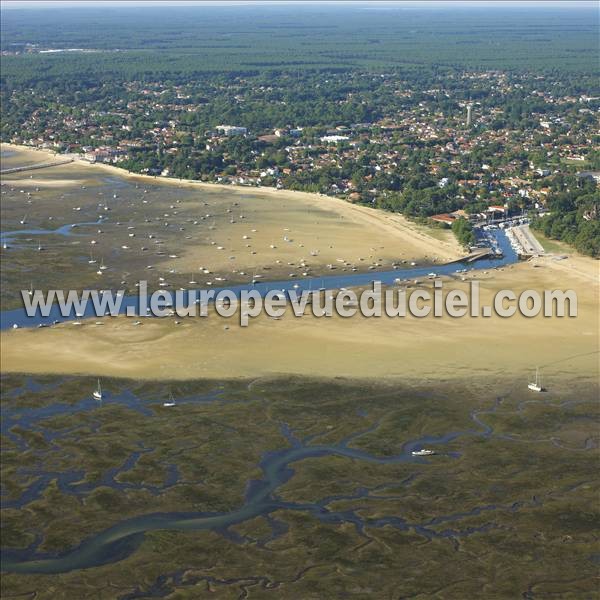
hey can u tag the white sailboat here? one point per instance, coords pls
(536, 386)
(98, 392)
(170, 402)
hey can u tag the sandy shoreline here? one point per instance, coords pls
(425, 349)
(391, 222)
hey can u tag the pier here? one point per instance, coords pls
(475, 255)
(524, 242)
(43, 165)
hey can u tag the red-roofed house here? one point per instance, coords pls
(444, 218)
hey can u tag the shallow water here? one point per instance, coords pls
(65, 230)
(19, 317)
(261, 496)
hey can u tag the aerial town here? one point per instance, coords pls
(299, 300)
(502, 149)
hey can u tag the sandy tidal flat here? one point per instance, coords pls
(39, 182)
(179, 234)
(426, 348)
(279, 227)
(17, 156)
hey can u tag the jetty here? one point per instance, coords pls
(524, 242)
(43, 165)
(475, 255)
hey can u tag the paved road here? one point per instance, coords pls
(528, 241)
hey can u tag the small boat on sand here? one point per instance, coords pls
(536, 386)
(98, 392)
(170, 402)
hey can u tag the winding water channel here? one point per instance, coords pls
(9, 237)
(260, 499)
(119, 541)
(9, 318)
(122, 539)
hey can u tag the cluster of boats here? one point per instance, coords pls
(510, 223)
(507, 227)
(516, 245)
(487, 240)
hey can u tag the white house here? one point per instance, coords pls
(231, 130)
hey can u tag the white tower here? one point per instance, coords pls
(469, 117)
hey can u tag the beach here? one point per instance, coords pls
(410, 347)
(409, 234)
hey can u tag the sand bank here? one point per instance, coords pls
(576, 267)
(41, 183)
(430, 348)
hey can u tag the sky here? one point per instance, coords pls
(7, 4)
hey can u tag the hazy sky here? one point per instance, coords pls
(424, 3)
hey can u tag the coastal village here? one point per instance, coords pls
(299, 300)
(483, 163)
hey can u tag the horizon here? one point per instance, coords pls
(380, 5)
